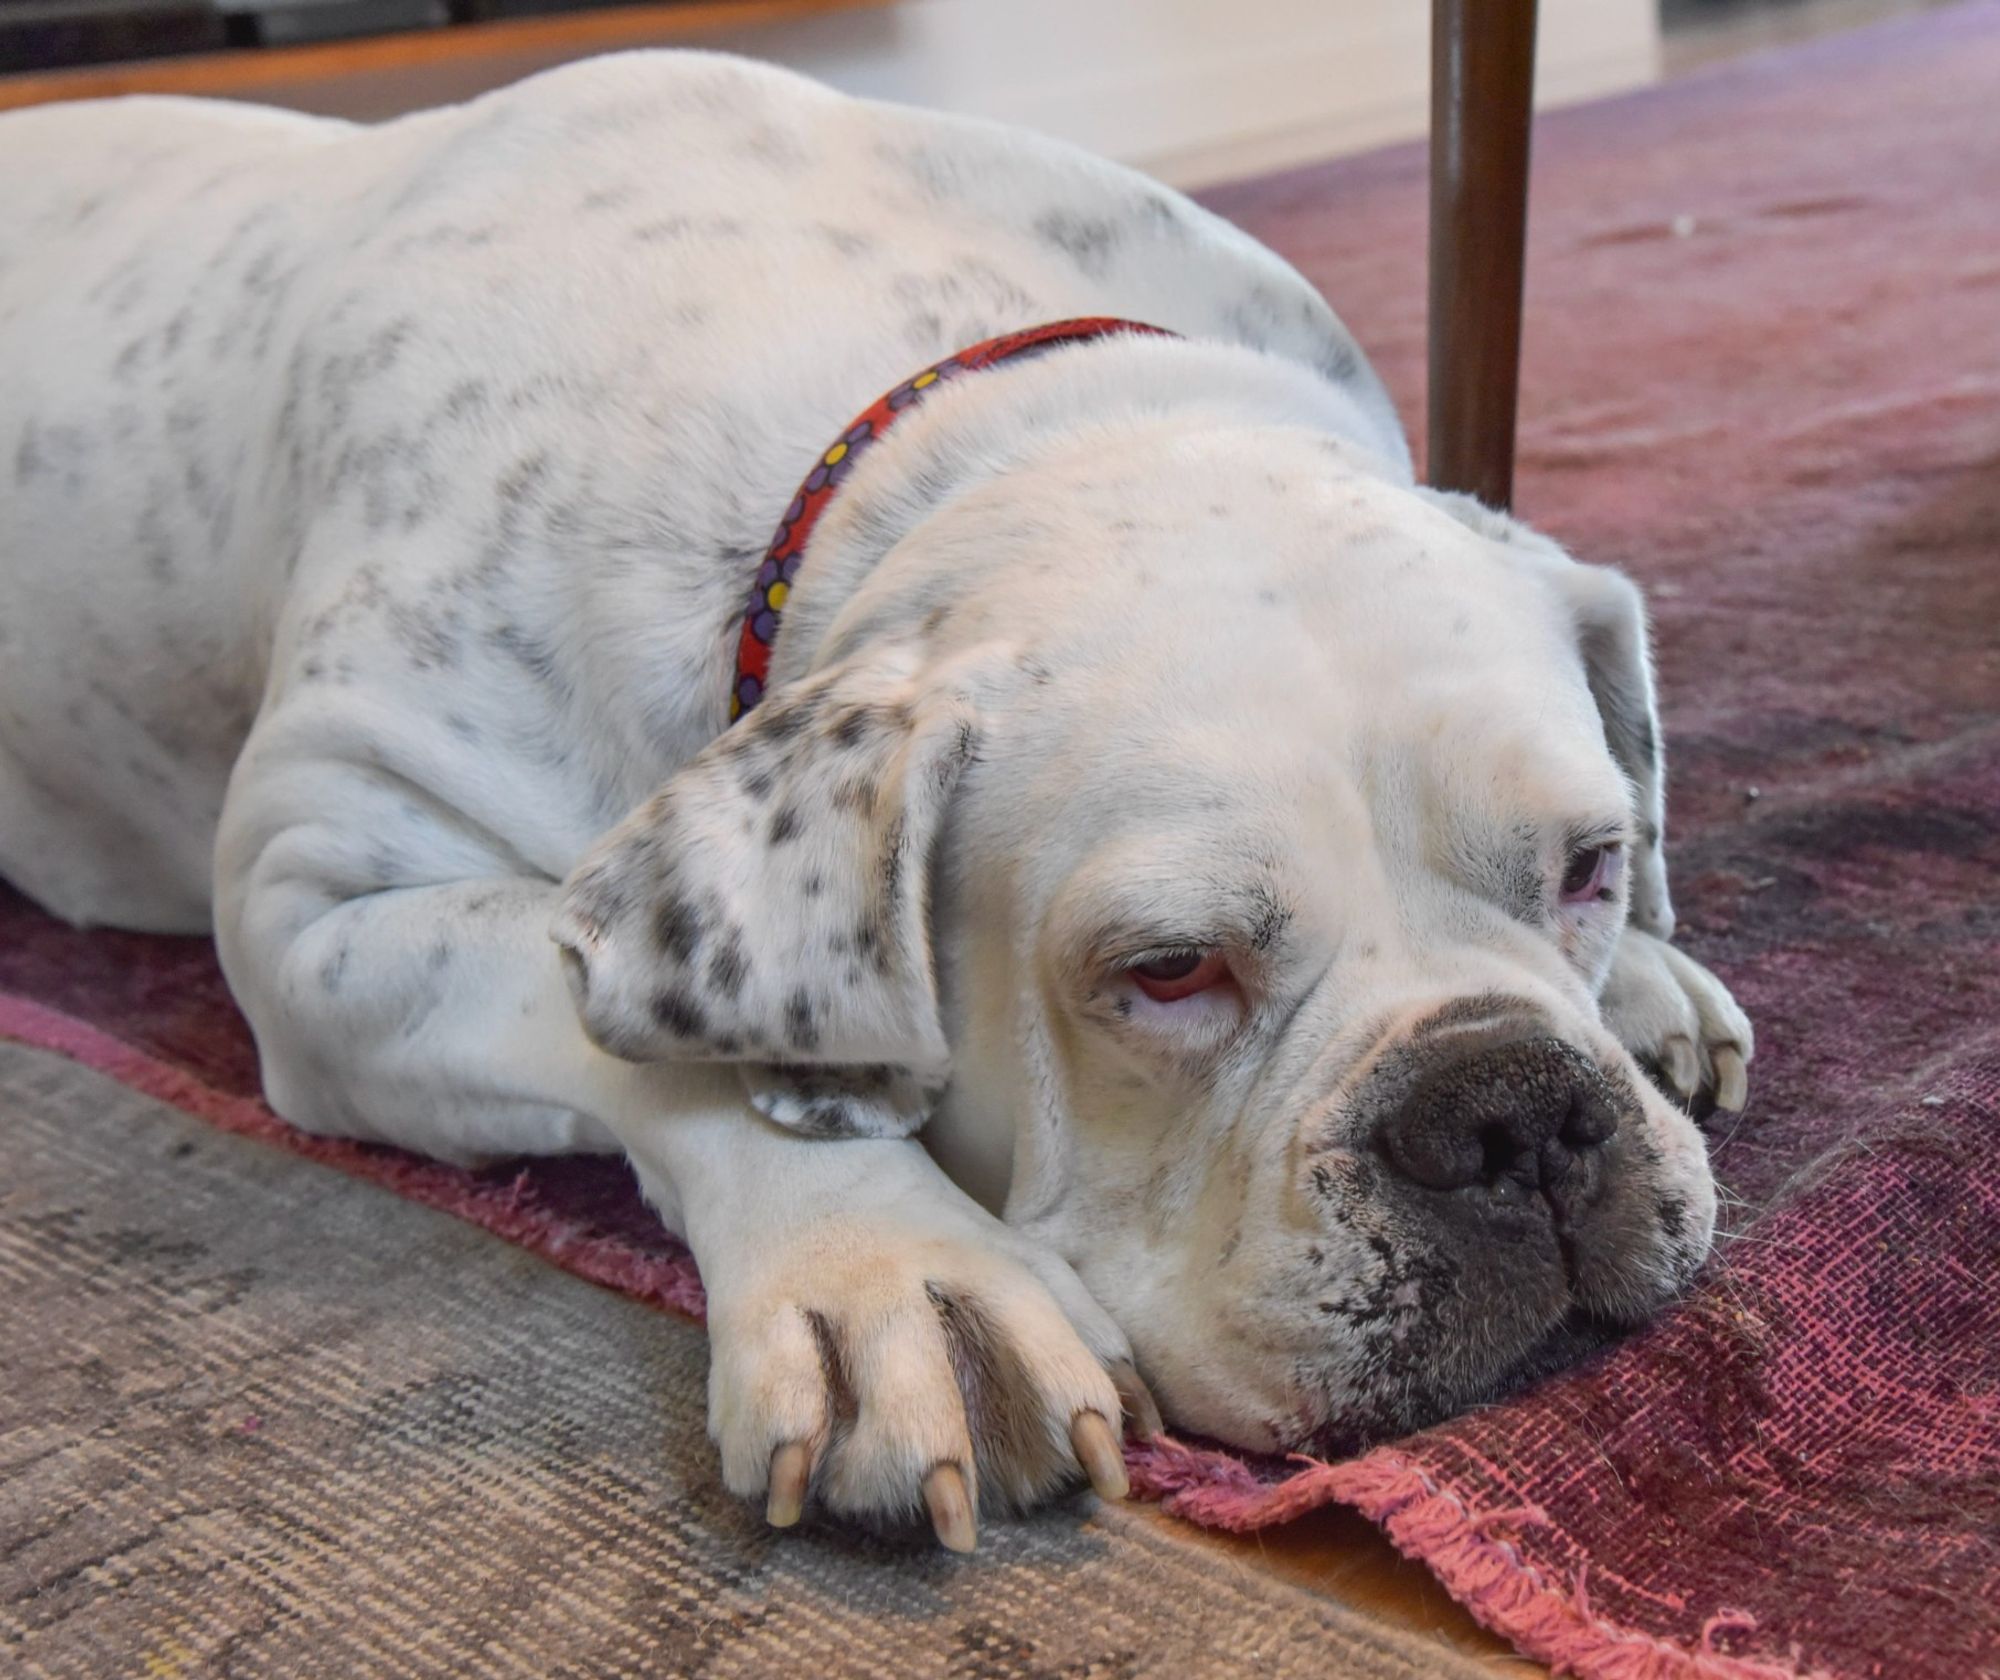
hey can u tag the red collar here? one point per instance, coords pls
(781, 559)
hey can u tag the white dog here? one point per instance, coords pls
(1242, 864)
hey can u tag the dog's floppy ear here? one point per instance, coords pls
(770, 905)
(1610, 619)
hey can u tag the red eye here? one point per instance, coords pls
(1590, 874)
(1179, 974)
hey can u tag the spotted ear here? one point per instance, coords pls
(770, 905)
(1609, 614)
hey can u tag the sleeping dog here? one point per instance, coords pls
(1124, 889)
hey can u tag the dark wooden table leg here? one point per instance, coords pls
(1482, 95)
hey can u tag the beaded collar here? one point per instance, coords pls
(781, 560)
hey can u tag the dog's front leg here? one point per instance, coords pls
(877, 1336)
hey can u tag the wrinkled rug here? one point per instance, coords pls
(1763, 374)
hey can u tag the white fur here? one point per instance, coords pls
(382, 504)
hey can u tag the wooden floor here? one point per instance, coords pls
(1342, 1555)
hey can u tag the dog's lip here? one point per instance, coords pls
(1580, 1334)
(1577, 1336)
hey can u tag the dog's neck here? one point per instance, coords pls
(984, 426)
(775, 576)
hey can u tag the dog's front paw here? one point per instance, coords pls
(892, 1371)
(1680, 1023)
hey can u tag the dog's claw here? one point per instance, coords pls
(1681, 1065)
(791, 1469)
(1142, 1413)
(1732, 1079)
(1097, 1450)
(950, 1508)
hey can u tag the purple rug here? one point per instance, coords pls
(1763, 373)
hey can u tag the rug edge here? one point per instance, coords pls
(1434, 1526)
(672, 1284)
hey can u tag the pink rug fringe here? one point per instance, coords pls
(1468, 1551)
(669, 1281)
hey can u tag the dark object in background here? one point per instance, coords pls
(46, 34)
(1482, 98)
(54, 34)
(287, 23)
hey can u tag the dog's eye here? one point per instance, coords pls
(1179, 974)
(1590, 874)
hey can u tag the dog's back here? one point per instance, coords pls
(427, 389)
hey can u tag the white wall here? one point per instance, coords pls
(1193, 90)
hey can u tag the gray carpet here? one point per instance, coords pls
(259, 1419)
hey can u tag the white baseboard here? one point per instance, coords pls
(1194, 91)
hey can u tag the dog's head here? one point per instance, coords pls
(1230, 844)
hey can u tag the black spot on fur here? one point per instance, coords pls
(851, 727)
(1340, 362)
(521, 484)
(1088, 241)
(785, 825)
(776, 148)
(801, 1022)
(846, 242)
(858, 794)
(465, 399)
(728, 967)
(679, 1014)
(830, 1116)
(781, 723)
(677, 926)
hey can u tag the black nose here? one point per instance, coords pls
(1532, 1113)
